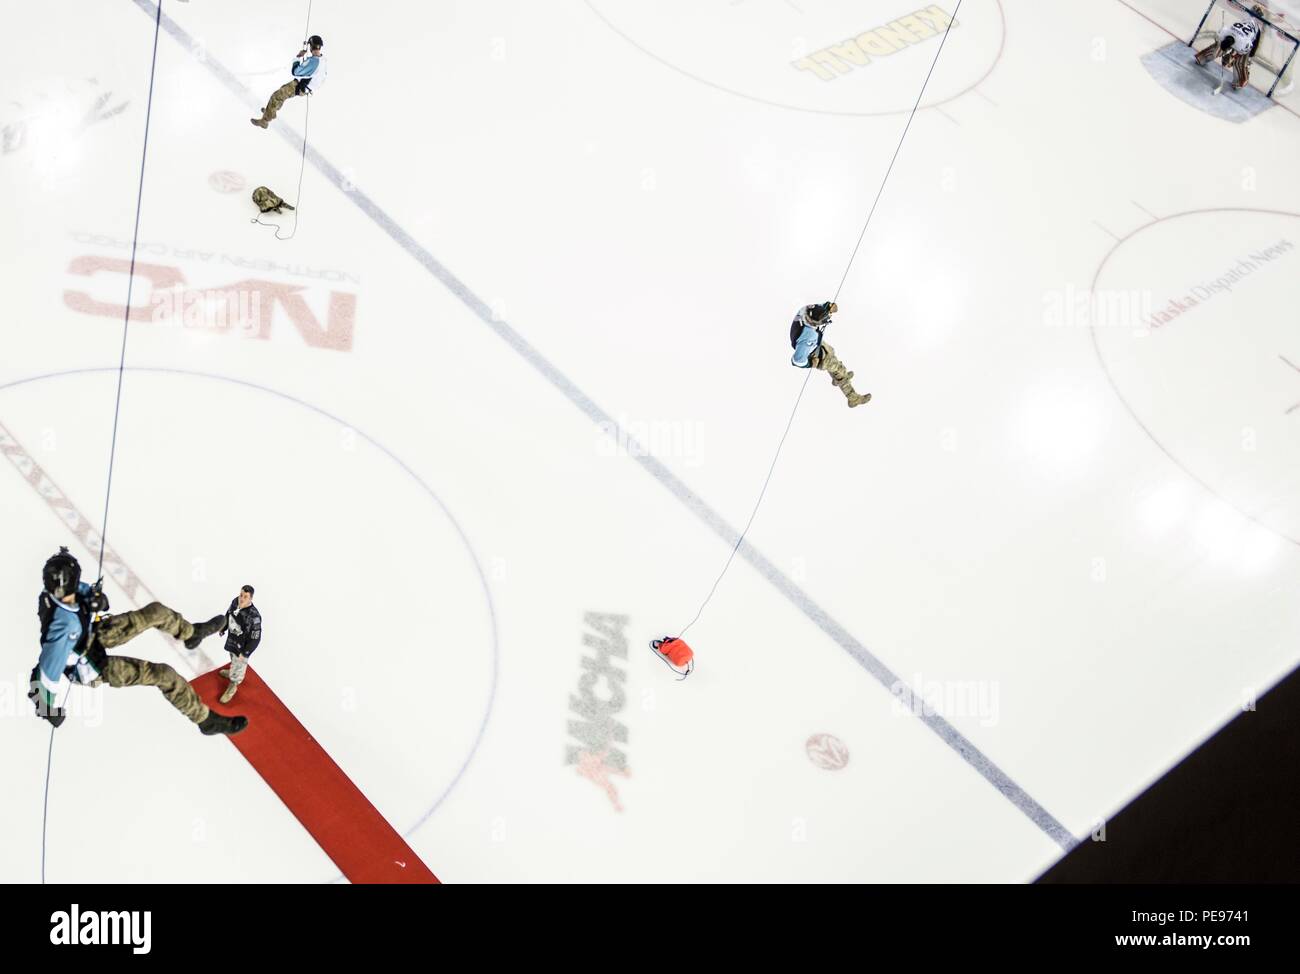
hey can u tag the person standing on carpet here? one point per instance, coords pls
(244, 624)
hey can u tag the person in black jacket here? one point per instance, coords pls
(244, 624)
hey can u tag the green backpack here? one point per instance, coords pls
(267, 201)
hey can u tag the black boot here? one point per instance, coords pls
(203, 630)
(220, 724)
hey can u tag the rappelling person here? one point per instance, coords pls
(810, 351)
(308, 75)
(75, 636)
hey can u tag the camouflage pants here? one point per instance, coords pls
(824, 358)
(115, 630)
(238, 666)
(125, 671)
(277, 100)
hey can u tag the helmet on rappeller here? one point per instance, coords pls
(821, 312)
(61, 574)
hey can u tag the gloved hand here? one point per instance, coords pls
(96, 600)
(55, 715)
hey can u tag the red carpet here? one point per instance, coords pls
(330, 807)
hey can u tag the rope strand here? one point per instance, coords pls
(117, 405)
(45, 818)
(130, 285)
(754, 512)
(861, 236)
(897, 149)
(302, 167)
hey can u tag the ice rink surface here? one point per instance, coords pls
(519, 376)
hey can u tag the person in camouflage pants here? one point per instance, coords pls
(825, 359)
(77, 632)
(811, 352)
(126, 671)
(308, 74)
(273, 104)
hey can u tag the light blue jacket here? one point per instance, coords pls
(306, 67)
(59, 651)
(310, 69)
(805, 336)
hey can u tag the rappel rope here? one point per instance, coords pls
(754, 513)
(117, 406)
(302, 166)
(919, 95)
(798, 399)
(45, 818)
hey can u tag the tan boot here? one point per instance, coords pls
(229, 695)
(853, 397)
(259, 122)
(224, 674)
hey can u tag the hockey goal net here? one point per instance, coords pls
(1278, 22)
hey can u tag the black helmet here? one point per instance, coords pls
(315, 41)
(61, 575)
(819, 312)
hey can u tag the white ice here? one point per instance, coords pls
(1077, 534)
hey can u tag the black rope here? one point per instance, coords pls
(130, 285)
(897, 149)
(731, 556)
(306, 122)
(754, 512)
(45, 819)
(117, 406)
(301, 169)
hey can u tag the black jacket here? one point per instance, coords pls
(245, 627)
